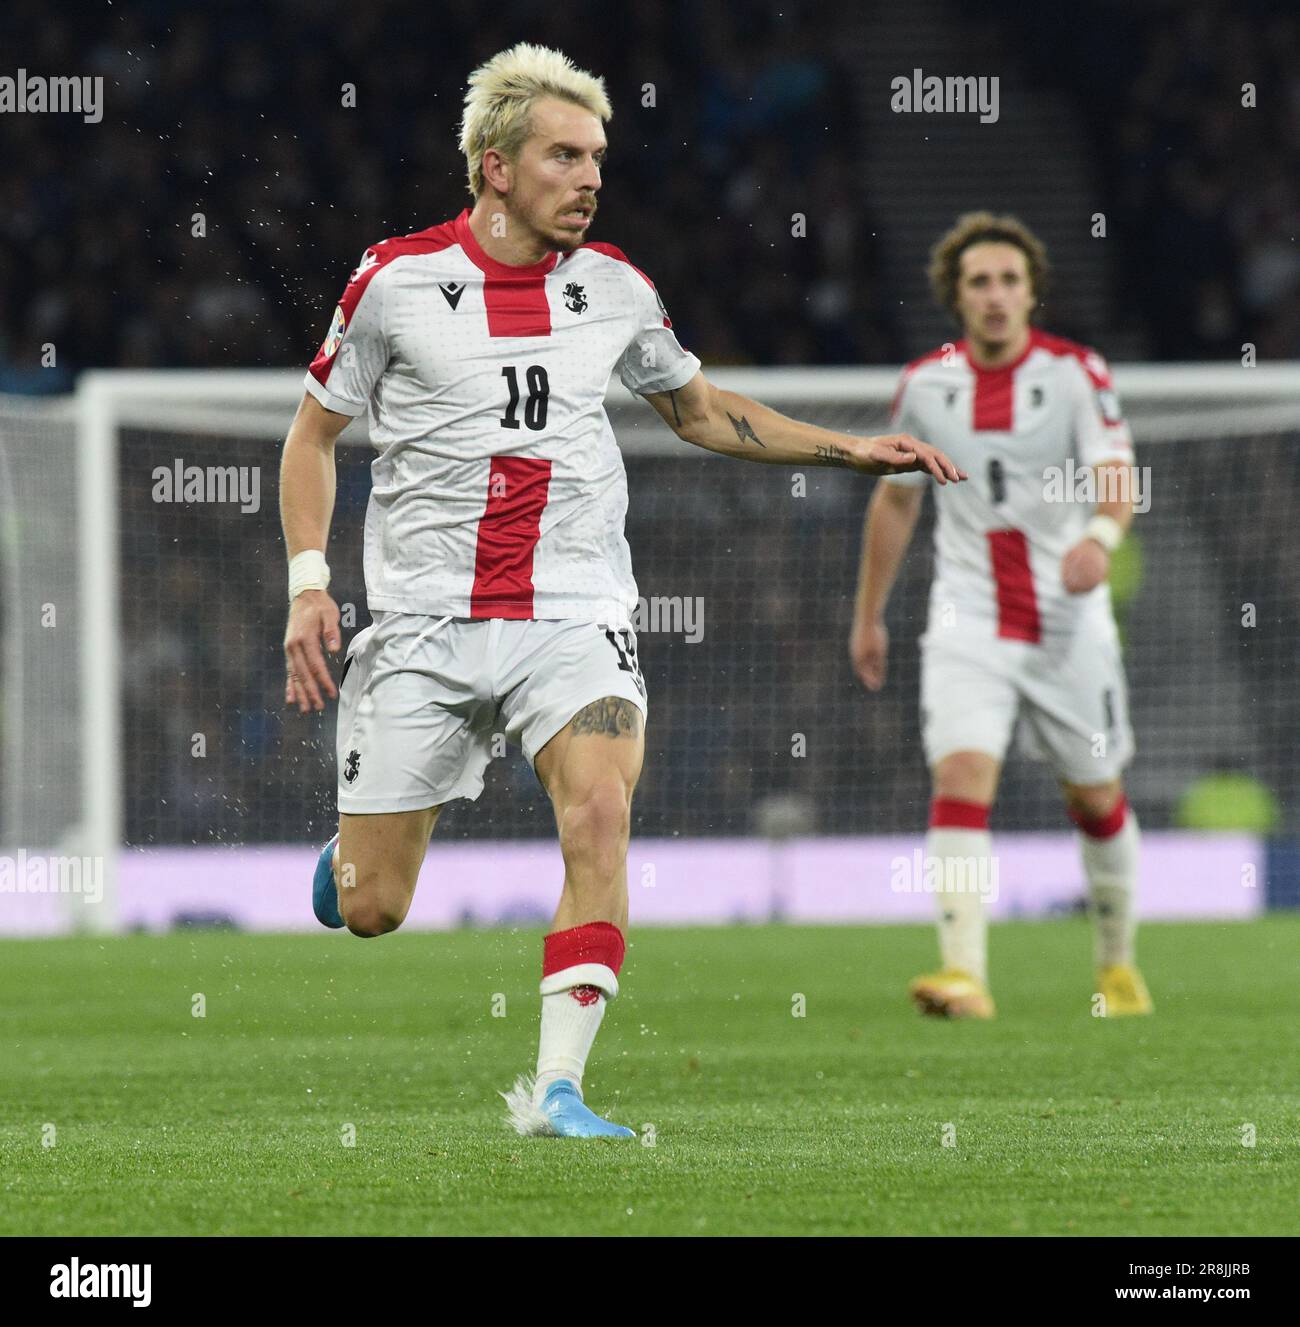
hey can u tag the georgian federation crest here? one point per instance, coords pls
(575, 298)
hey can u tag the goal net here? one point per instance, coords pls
(143, 676)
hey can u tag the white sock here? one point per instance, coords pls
(570, 1021)
(963, 931)
(1111, 868)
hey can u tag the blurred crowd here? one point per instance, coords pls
(730, 119)
(1194, 110)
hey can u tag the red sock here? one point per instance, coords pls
(1103, 827)
(953, 813)
(580, 952)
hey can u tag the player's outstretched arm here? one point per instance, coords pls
(727, 422)
(306, 505)
(886, 533)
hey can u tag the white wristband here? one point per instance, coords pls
(307, 571)
(1106, 530)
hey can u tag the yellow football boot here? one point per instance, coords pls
(951, 994)
(1124, 991)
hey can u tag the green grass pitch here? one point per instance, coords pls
(763, 1122)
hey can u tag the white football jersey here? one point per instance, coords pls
(1026, 434)
(499, 490)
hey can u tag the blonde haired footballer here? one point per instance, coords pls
(1020, 622)
(497, 573)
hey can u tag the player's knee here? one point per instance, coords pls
(595, 828)
(968, 776)
(376, 904)
(1095, 801)
(369, 918)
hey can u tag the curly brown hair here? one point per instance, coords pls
(984, 228)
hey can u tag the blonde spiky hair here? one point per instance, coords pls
(500, 100)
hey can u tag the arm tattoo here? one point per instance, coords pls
(611, 717)
(831, 454)
(677, 419)
(743, 430)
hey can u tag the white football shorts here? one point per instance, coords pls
(421, 699)
(1069, 695)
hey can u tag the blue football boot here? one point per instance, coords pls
(324, 894)
(561, 1113)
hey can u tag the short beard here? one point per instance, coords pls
(558, 241)
(569, 245)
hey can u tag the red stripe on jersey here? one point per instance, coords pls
(516, 306)
(994, 403)
(994, 399)
(613, 251)
(995, 389)
(514, 297)
(507, 535)
(1017, 603)
(373, 261)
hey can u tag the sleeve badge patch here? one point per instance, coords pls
(334, 337)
